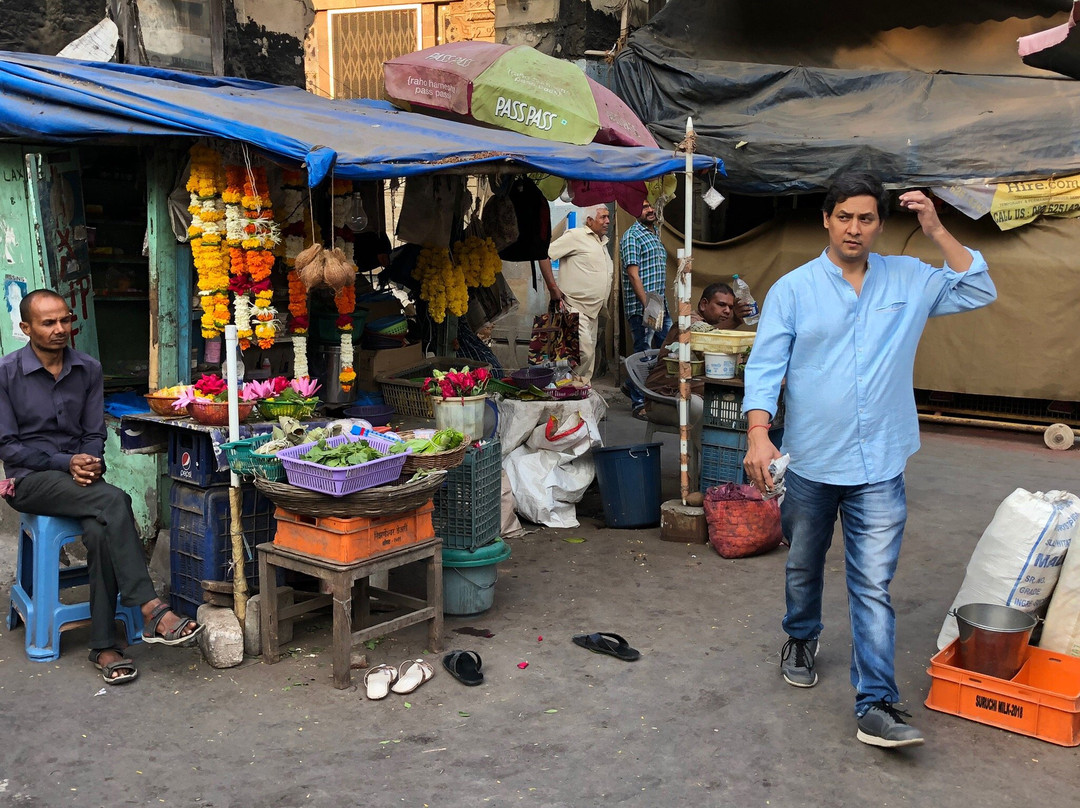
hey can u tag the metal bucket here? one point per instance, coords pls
(993, 639)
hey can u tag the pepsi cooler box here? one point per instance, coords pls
(192, 460)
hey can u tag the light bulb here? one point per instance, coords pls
(358, 221)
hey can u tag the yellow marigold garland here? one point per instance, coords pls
(206, 232)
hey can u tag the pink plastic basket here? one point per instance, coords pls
(338, 482)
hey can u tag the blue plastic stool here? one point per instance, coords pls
(35, 595)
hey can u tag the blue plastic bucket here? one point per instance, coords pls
(469, 577)
(629, 478)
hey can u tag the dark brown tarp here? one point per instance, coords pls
(773, 92)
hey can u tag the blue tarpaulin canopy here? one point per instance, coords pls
(46, 99)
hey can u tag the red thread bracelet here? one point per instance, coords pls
(755, 426)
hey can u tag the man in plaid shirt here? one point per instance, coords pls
(644, 261)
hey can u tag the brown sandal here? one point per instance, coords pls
(108, 669)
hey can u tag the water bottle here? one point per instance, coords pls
(742, 295)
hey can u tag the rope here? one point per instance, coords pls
(687, 144)
(686, 267)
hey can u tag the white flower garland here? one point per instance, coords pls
(300, 367)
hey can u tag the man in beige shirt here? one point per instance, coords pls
(585, 275)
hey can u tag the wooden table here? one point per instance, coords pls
(350, 596)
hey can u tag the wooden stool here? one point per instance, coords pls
(351, 625)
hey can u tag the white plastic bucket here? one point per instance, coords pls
(719, 366)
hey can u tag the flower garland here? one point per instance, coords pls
(240, 279)
(345, 300)
(260, 236)
(206, 231)
(292, 233)
(344, 202)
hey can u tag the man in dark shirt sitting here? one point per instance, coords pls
(52, 441)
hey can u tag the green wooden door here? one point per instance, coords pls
(20, 257)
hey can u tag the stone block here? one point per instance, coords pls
(222, 639)
(252, 633)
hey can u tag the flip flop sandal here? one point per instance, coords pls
(411, 674)
(110, 668)
(465, 667)
(377, 681)
(175, 635)
(604, 642)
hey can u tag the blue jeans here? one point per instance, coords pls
(872, 518)
(637, 331)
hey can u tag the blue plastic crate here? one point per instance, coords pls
(192, 460)
(468, 508)
(200, 545)
(722, 454)
(723, 408)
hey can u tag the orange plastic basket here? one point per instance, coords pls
(345, 541)
(1042, 700)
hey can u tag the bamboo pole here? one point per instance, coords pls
(236, 502)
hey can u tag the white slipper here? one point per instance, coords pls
(377, 681)
(411, 674)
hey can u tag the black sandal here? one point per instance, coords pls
(604, 642)
(175, 635)
(465, 667)
(110, 668)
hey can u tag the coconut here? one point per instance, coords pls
(339, 271)
(311, 275)
(305, 257)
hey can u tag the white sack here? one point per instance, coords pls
(1017, 561)
(1061, 631)
(549, 477)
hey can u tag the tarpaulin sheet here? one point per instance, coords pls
(44, 99)
(1023, 344)
(788, 129)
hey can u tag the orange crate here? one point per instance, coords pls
(345, 541)
(1042, 700)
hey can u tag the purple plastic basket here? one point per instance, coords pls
(337, 482)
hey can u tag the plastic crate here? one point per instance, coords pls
(346, 479)
(723, 408)
(200, 544)
(192, 459)
(722, 453)
(345, 541)
(1042, 700)
(244, 460)
(468, 508)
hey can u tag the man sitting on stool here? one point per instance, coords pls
(52, 438)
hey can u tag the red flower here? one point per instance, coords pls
(482, 375)
(447, 388)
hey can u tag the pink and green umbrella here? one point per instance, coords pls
(513, 87)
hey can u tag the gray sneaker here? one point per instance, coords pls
(797, 662)
(883, 725)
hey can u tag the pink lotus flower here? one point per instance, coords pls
(185, 398)
(306, 386)
(253, 391)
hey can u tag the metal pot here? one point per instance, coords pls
(993, 639)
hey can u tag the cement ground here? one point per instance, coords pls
(703, 719)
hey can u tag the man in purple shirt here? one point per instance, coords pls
(52, 440)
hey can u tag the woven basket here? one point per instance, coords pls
(385, 500)
(161, 405)
(272, 410)
(216, 413)
(441, 460)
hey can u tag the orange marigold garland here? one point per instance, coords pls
(207, 236)
(345, 300)
(259, 237)
(293, 236)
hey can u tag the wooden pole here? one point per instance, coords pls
(236, 502)
(682, 285)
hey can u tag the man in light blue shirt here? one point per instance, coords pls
(841, 333)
